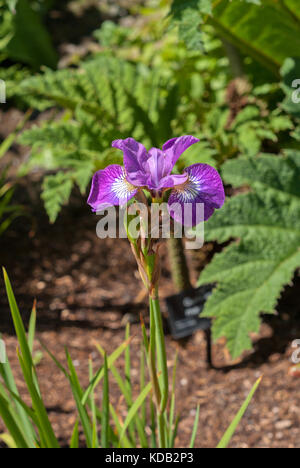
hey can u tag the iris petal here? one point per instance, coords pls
(203, 186)
(110, 187)
(135, 159)
(174, 148)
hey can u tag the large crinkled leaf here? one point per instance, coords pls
(29, 41)
(251, 272)
(266, 30)
(245, 25)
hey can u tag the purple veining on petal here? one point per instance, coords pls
(158, 168)
(200, 184)
(173, 180)
(174, 148)
(135, 159)
(204, 186)
(110, 187)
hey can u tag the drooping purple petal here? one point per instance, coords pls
(135, 158)
(174, 148)
(203, 186)
(110, 187)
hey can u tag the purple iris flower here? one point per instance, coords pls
(152, 171)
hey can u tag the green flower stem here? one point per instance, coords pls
(161, 353)
(157, 347)
(152, 360)
(154, 378)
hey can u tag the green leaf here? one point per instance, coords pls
(290, 73)
(243, 24)
(232, 428)
(99, 375)
(189, 15)
(77, 393)
(93, 408)
(195, 427)
(23, 422)
(11, 425)
(32, 327)
(48, 439)
(8, 440)
(126, 392)
(252, 272)
(105, 407)
(24, 46)
(74, 443)
(125, 442)
(56, 192)
(135, 408)
(18, 324)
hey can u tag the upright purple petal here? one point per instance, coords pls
(110, 187)
(203, 186)
(135, 158)
(157, 168)
(174, 148)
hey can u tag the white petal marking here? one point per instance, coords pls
(121, 187)
(188, 191)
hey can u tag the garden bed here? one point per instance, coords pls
(73, 275)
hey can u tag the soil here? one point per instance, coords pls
(87, 289)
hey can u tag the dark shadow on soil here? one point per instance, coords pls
(71, 272)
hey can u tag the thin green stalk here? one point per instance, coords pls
(105, 408)
(161, 353)
(161, 430)
(161, 392)
(152, 359)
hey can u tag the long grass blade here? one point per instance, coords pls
(18, 323)
(195, 427)
(99, 375)
(11, 425)
(125, 442)
(135, 407)
(232, 428)
(24, 422)
(105, 407)
(77, 393)
(46, 432)
(172, 404)
(8, 440)
(95, 443)
(74, 443)
(31, 327)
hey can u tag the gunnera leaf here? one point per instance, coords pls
(252, 271)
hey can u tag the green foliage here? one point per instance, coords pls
(8, 211)
(243, 24)
(252, 272)
(105, 98)
(290, 73)
(108, 97)
(28, 425)
(189, 15)
(23, 37)
(111, 34)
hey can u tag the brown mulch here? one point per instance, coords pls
(87, 289)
